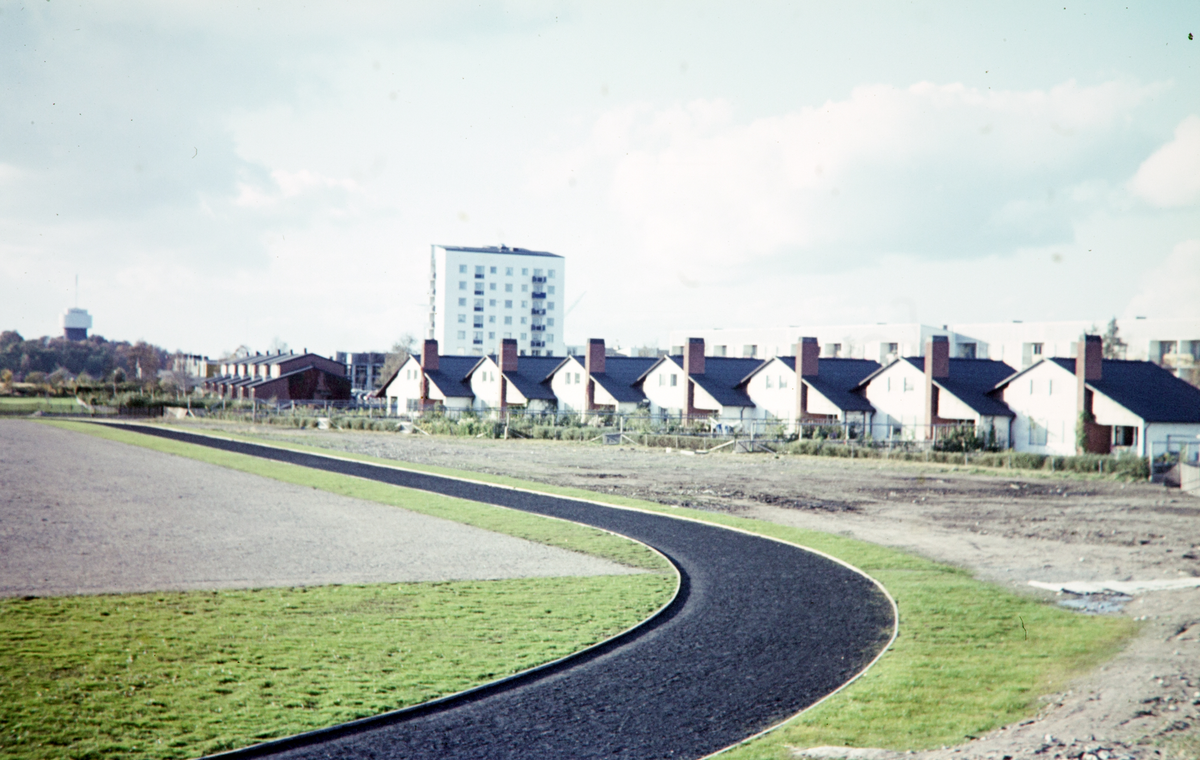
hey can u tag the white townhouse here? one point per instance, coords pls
(916, 397)
(695, 386)
(1135, 406)
(824, 393)
(597, 382)
(431, 381)
(509, 380)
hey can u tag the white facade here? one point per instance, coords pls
(479, 296)
(569, 383)
(898, 395)
(881, 343)
(773, 391)
(1172, 343)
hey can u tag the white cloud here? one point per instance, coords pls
(1170, 289)
(935, 171)
(1171, 175)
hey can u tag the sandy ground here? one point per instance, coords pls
(1005, 529)
(83, 515)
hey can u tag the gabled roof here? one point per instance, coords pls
(532, 377)
(451, 375)
(1144, 388)
(722, 378)
(620, 375)
(836, 380)
(971, 381)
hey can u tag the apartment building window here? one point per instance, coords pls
(478, 270)
(893, 348)
(462, 284)
(462, 268)
(524, 320)
(508, 271)
(524, 288)
(508, 304)
(537, 273)
(462, 334)
(508, 287)
(550, 289)
(524, 304)
(478, 304)
(491, 336)
(492, 270)
(491, 319)
(491, 286)
(551, 273)
(550, 322)
(749, 350)
(524, 271)
(524, 336)
(550, 337)
(1037, 349)
(462, 302)
(508, 335)
(462, 318)
(479, 335)
(719, 350)
(478, 321)
(508, 320)
(550, 305)
(833, 349)
(966, 350)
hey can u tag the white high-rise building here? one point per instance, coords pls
(480, 296)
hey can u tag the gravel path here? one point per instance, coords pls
(85, 515)
(759, 631)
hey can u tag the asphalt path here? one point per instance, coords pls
(759, 631)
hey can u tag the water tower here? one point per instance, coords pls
(75, 323)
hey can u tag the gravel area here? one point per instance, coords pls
(759, 630)
(1009, 528)
(82, 515)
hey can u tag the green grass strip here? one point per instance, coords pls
(174, 675)
(970, 656)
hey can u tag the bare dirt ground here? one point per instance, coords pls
(1006, 528)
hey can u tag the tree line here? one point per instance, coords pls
(58, 360)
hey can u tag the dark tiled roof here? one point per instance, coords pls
(451, 375)
(723, 376)
(497, 249)
(971, 381)
(837, 378)
(1146, 389)
(620, 374)
(532, 377)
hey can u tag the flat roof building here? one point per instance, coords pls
(478, 297)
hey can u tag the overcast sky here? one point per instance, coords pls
(225, 174)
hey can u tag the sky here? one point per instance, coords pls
(260, 174)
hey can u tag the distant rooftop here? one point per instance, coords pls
(500, 249)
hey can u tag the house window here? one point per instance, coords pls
(1037, 433)
(770, 384)
(749, 350)
(908, 385)
(1124, 435)
(462, 302)
(462, 268)
(576, 377)
(508, 320)
(568, 380)
(672, 379)
(1049, 387)
(662, 380)
(783, 381)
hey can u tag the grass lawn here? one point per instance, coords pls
(31, 404)
(970, 656)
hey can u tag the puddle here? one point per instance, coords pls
(1095, 604)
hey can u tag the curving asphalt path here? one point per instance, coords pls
(759, 631)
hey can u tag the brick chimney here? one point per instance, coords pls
(937, 365)
(693, 356)
(808, 356)
(429, 363)
(594, 364)
(508, 363)
(1089, 366)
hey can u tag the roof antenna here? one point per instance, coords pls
(76, 290)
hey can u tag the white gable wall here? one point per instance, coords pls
(898, 395)
(485, 384)
(1044, 400)
(666, 388)
(773, 391)
(405, 388)
(569, 384)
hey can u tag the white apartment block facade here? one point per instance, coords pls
(1171, 343)
(480, 296)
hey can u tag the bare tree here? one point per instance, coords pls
(399, 353)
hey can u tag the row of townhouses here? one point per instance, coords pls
(280, 376)
(1127, 405)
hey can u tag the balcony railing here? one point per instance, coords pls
(537, 278)
(537, 343)
(478, 308)
(538, 312)
(479, 275)
(536, 294)
(538, 328)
